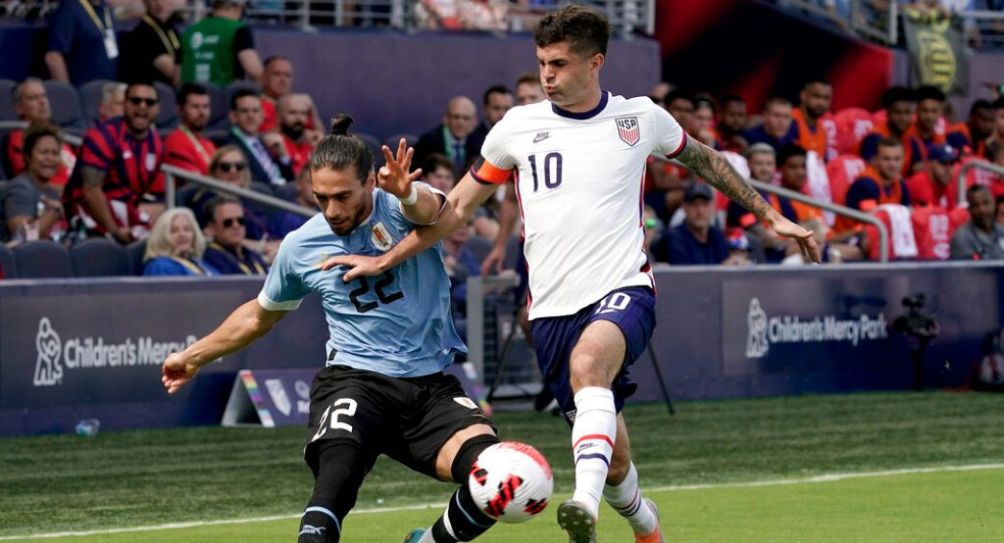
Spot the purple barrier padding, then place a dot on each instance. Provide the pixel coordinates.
(730, 333)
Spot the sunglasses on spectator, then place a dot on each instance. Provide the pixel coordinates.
(230, 221)
(148, 102)
(226, 167)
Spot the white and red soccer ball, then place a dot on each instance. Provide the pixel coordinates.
(511, 482)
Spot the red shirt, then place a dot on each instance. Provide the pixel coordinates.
(299, 153)
(933, 228)
(15, 157)
(187, 151)
(842, 171)
(269, 111)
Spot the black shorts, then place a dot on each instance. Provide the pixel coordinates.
(408, 419)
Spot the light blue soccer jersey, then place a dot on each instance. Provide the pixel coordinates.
(399, 323)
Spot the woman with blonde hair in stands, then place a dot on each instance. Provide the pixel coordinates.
(176, 246)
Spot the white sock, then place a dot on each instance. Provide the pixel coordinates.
(626, 499)
(593, 435)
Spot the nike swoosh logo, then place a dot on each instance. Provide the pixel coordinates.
(540, 137)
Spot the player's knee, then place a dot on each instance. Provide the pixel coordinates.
(588, 370)
(468, 453)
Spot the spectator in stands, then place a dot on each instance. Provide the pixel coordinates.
(117, 181)
(31, 103)
(680, 105)
(703, 121)
(112, 103)
(498, 100)
(739, 248)
(29, 203)
(152, 51)
(276, 82)
(186, 147)
(794, 174)
(778, 128)
(437, 171)
(293, 144)
(882, 182)
(899, 104)
(934, 184)
(930, 111)
(82, 44)
(460, 263)
(731, 124)
(220, 48)
(1000, 210)
(451, 138)
(528, 89)
(971, 137)
(765, 245)
(697, 240)
(811, 114)
(227, 233)
(998, 135)
(176, 246)
(245, 115)
(982, 238)
(659, 91)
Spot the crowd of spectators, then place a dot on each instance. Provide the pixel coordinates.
(899, 163)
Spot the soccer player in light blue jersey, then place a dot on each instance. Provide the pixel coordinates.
(383, 390)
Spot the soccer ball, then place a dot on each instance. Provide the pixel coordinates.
(511, 482)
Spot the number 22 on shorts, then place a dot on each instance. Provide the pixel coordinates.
(348, 409)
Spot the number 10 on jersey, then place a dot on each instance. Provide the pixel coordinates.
(551, 165)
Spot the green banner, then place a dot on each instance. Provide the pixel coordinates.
(937, 49)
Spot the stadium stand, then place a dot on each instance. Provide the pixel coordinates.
(100, 257)
(42, 259)
(167, 116)
(7, 112)
(90, 99)
(65, 102)
(8, 262)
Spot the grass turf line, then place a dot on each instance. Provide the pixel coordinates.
(60, 483)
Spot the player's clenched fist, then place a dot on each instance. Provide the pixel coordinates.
(177, 371)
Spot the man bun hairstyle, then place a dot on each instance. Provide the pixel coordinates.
(586, 30)
(339, 150)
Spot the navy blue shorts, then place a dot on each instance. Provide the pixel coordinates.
(632, 309)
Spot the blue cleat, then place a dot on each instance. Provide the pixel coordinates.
(415, 536)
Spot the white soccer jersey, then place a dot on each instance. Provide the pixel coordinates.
(579, 183)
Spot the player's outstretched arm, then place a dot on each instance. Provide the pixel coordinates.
(460, 205)
(246, 324)
(420, 206)
(711, 166)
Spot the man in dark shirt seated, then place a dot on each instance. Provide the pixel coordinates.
(696, 241)
(227, 252)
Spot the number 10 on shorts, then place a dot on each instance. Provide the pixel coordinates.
(617, 301)
(341, 407)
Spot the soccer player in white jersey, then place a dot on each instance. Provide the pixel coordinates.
(383, 390)
(580, 161)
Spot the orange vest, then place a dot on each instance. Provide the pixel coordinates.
(810, 139)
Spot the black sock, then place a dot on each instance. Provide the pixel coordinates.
(318, 525)
(462, 521)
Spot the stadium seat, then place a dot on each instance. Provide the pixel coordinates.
(394, 140)
(512, 253)
(8, 262)
(219, 106)
(288, 192)
(90, 98)
(167, 116)
(136, 251)
(100, 257)
(238, 86)
(42, 259)
(374, 145)
(65, 102)
(183, 197)
(6, 100)
(479, 246)
(5, 166)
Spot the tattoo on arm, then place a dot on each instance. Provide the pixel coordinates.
(93, 177)
(713, 168)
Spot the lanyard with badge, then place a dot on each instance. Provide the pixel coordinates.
(199, 148)
(106, 28)
(169, 39)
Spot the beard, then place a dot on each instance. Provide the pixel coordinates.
(294, 132)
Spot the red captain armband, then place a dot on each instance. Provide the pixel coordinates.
(486, 173)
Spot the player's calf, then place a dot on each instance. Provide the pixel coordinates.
(626, 498)
(340, 468)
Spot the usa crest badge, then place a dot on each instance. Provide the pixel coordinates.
(627, 129)
(381, 238)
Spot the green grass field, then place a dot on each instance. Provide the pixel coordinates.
(721, 471)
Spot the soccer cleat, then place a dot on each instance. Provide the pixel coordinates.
(656, 536)
(574, 518)
(415, 536)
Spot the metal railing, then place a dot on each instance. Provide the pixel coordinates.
(72, 139)
(866, 18)
(845, 211)
(974, 165)
(986, 26)
(172, 173)
(626, 16)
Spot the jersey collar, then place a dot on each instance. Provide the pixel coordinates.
(604, 97)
